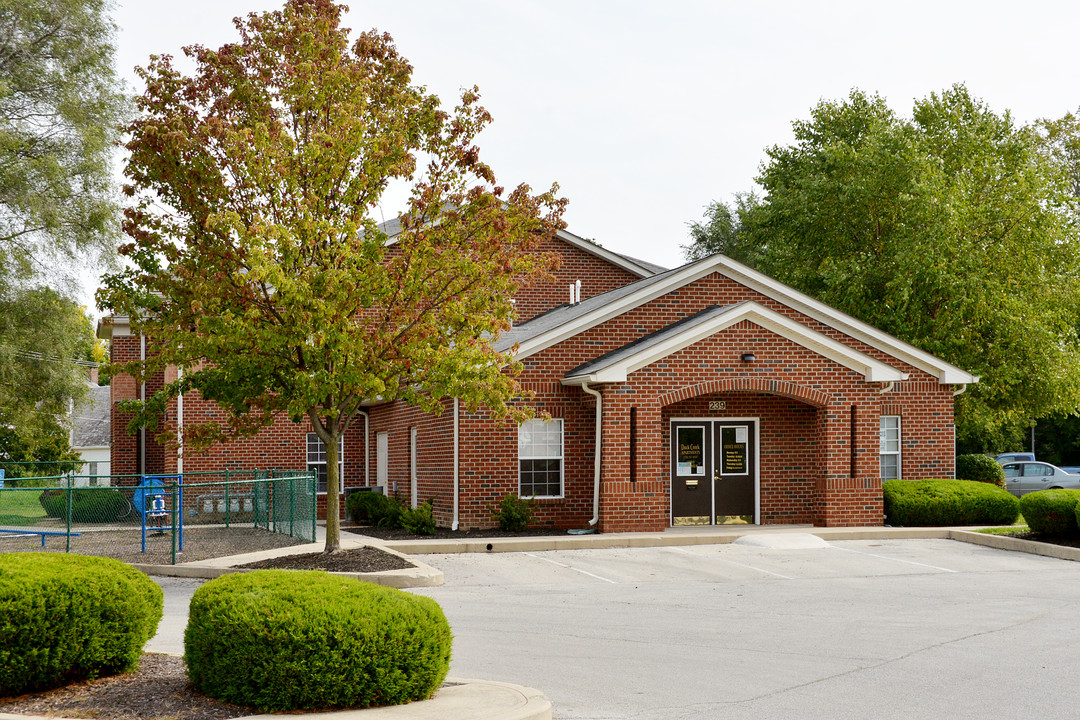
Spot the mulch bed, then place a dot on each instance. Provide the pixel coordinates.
(358, 560)
(157, 690)
(1049, 539)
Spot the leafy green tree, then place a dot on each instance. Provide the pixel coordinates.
(721, 232)
(953, 230)
(257, 265)
(60, 111)
(47, 346)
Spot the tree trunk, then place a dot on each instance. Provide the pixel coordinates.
(333, 489)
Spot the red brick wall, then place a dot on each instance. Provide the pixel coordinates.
(596, 276)
(806, 467)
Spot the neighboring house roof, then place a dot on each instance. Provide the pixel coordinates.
(614, 366)
(91, 422)
(567, 321)
(632, 265)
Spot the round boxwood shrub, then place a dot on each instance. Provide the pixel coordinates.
(1052, 512)
(980, 468)
(65, 618)
(292, 640)
(947, 502)
(87, 504)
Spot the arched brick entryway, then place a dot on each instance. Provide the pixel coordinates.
(817, 398)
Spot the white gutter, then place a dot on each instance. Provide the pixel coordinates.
(596, 452)
(457, 468)
(180, 426)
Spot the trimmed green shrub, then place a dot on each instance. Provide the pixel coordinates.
(65, 618)
(87, 504)
(1052, 512)
(514, 513)
(291, 640)
(374, 508)
(418, 520)
(947, 502)
(980, 468)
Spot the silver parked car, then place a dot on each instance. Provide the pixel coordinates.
(1024, 477)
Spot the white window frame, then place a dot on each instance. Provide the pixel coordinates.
(318, 458)
(382, 459)
(412, 464)
(883, 449)
(526, 457)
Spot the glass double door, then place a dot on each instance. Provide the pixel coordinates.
(713, 471)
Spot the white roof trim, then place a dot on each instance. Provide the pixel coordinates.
(614, 258)
(582, 244)
(946, 373)
(872, 370)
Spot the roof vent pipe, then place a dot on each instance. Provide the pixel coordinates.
(577, 291)
(571, 293)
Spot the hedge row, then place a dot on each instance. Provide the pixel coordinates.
(1053, 512)
(980, 468)
(289, 640)
(65, 618)
(921, 503)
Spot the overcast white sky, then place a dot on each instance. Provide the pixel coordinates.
(644, 112)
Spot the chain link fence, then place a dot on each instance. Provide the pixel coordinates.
(160, 519)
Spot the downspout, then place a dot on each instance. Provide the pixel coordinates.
(960, 391)
(596, 453)
(887, 387)
(142, 397)
(367, 465)
(457, 467)
(180, 426)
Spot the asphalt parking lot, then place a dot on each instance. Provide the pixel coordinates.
(851, 629)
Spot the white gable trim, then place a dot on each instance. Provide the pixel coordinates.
(946, 373)
(872, 370)
(614, 258)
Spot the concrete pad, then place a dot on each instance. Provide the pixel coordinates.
(782, 541)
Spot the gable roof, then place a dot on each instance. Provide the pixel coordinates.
(642, 269)
(566, 321)
(617, 364)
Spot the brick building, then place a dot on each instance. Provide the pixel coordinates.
(705, 394)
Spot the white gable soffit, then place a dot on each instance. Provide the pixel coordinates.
(614, 258)
(683, 276)
(872, 370)
(946, 373)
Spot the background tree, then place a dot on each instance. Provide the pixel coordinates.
(257, 265)
(721, 232)
(60, 111)
(953, 230)
(48, 348)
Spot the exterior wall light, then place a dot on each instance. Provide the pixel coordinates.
(748, 357)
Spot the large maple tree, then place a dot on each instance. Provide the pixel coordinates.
(257, 264)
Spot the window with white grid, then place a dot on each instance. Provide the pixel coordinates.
(540, 458)
(316, 460)
(890, 447)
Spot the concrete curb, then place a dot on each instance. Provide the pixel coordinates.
(458, 699)
(421, 575)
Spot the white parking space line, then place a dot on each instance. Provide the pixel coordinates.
(732, 562)
(570, 567)
(899, 560)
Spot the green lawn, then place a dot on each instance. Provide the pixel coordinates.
(20, 507)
